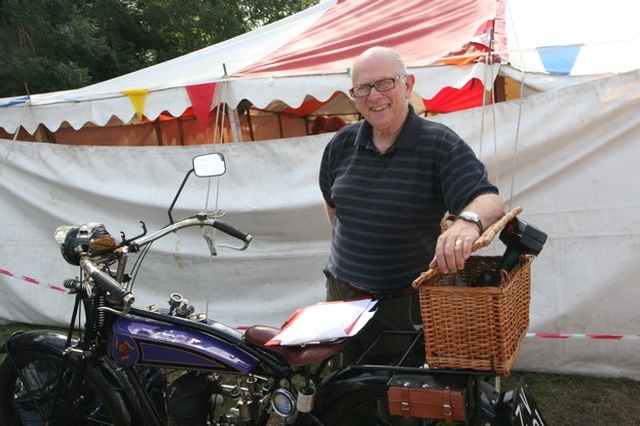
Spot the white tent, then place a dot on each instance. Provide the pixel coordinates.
(298, 68)
(568, 156)
(552, 44)
(303, 57)
(307, 56)
(572, 38)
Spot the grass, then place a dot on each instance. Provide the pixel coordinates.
(564, 400)
(570, 400)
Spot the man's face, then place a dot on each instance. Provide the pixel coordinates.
(383, 109)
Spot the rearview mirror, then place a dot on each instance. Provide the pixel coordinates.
(209, 165)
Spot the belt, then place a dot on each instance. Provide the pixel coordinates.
(380, 295)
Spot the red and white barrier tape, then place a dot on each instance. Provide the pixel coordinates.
(32, 280)
(530, 335)
(585, 336)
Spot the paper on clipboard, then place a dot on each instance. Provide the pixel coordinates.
(325, 321)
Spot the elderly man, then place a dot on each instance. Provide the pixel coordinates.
(387, 181)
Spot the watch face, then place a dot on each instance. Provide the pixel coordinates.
(470, 216)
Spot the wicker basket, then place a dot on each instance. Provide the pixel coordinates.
(476, 328)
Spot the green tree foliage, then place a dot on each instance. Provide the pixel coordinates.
(49, 45)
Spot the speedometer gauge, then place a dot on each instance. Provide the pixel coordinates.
(283, 402)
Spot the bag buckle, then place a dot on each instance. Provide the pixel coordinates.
(448, 410)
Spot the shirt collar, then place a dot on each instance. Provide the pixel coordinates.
(406, 139)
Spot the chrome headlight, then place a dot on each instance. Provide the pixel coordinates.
(91, 238)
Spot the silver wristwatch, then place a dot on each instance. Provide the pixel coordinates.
(472, 217)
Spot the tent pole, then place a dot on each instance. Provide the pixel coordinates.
(250, 124)
(236, 131)
(158, 129)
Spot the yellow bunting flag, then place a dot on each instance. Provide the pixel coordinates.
(137, 98)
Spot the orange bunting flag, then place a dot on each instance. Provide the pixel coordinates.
(201, 97)
(137, 98)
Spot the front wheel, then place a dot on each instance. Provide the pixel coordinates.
(35, 390)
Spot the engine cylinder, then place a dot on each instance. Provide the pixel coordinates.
(188, 400)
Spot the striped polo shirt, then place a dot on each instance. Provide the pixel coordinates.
(389, 206)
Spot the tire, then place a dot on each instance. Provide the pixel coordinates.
(40, 397)
(368, 406)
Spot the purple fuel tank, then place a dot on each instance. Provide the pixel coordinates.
(141, 341)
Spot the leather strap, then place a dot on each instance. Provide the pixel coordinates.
(405, 404)
(447, 409)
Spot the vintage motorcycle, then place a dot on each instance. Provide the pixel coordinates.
(128, 365)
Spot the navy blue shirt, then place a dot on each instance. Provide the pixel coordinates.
(389, 206)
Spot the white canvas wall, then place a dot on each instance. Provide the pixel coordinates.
(568, 157)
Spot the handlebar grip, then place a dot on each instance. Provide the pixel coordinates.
(228, 229)
(108, 283)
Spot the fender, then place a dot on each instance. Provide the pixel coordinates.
(47, 340)
(335, 387)
(53, 342)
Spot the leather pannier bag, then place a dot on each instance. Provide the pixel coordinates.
(412, 396)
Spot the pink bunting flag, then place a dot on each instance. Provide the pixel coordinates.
(201, 97)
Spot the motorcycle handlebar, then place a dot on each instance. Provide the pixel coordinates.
(199, 220)
(125, 297)
(107, 283)
(230, 230)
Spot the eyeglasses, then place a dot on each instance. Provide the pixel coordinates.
(380, 85)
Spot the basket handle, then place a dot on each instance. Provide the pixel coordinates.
(482, 241)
